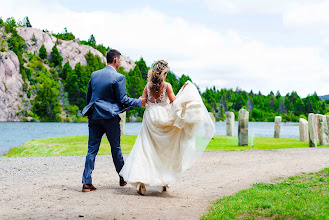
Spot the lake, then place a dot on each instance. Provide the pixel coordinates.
(13, 134)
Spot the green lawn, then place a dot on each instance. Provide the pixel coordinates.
(299, 197)
(77, 145)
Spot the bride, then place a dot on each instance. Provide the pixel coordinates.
(175, 131)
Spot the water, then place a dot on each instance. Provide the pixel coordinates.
(13, 134)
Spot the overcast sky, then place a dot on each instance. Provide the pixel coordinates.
(263, 45)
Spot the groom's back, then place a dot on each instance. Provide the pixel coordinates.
(102, 82)
(103, 97)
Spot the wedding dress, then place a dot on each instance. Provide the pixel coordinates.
(171, 139)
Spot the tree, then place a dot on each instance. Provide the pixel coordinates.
(1, 22)
(142, 67)
(92, 41)
(46, 104)
(43, 52)
(10, 26)
(136, 83)
(72, 85)
(56, 57)
(26, 22)
(67, 70)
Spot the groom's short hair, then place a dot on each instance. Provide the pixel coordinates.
(111, 54)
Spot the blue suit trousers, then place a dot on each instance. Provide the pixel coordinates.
(97, 128)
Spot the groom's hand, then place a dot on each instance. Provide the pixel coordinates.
(143, 100)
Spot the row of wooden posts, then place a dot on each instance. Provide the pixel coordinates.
(316, 128)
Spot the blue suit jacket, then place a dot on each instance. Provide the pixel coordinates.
(106, 95)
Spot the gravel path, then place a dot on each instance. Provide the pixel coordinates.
(50, 187)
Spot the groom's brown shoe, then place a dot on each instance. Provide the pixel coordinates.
(88, 188)
(122, 181)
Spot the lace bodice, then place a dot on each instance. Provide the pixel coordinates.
(161, 99)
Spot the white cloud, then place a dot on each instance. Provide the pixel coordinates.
(308, 14)
(221, 58)
(252, 6)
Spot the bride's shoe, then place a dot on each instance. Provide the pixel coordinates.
(141, 188)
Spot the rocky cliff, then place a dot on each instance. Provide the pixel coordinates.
(71, 50)
(12, 97)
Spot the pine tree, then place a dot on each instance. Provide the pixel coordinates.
(142, 67)
(43, 52)
(136, 83)
(92, 41)
(27, 22)
(56, 57)
(67, 70)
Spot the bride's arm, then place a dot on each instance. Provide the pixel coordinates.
(145, 92)
(170, 93)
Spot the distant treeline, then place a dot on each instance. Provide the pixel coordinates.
(59, 91)
(263, 107)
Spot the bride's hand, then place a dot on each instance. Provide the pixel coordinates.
(185, 84)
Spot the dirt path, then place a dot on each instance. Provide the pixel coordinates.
(50, 188)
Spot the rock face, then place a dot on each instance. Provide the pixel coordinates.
(122, 122)
(243, 127)
(11, 92)
(71, 50)
(12, 97)
(229, 123)
(303, 130)
(277, 126)
(212, 117)
(323, 131)
(312, 130)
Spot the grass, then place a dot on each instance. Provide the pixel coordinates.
(226, 143)
(300, 197)
(77, 145)
(66, 146)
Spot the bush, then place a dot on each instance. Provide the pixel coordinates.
(65, 35)
(74, 110)
(92, 42)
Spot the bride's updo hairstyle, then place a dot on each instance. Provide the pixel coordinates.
(156, 75)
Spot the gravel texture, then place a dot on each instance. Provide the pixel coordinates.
(50, 187)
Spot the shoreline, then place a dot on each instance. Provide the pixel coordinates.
(15, 134)
(78, 145)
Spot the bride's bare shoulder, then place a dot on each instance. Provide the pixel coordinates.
(168, 85)
(169, 88)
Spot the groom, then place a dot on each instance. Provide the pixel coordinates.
(106, 98)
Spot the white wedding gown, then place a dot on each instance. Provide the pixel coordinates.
(171, 139)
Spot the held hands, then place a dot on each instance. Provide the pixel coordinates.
(143, 100)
